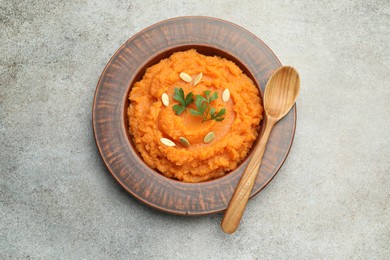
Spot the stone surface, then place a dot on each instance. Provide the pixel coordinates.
(331, 199)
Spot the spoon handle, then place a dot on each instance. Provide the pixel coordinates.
(237, 204)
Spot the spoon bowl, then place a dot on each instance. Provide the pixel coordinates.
(280, 94)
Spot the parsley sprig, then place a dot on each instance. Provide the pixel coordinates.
(202, 103)
(204, 109)
(183, 100)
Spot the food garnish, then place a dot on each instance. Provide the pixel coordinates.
(184, 76)
(167, 142)
(165, 99)
(226, 95)
(209, 137)
(182, 99)
(204, 109)
(198, 78)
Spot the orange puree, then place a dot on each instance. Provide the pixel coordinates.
(150, 120)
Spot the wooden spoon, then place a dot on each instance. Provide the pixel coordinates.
(280, 94)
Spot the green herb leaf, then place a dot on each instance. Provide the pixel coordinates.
(178, 109)
(195, 112)
(218, 117)
(184, 101)
(204, 109)
(214, 96)
(198, 102)
(189, 99)
(204, 106)
(207, 94)
(212, 112)
(221, 112)
(179, 96)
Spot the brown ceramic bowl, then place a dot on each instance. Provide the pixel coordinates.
(208, 36)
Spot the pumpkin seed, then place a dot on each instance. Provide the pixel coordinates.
(225, 95)
(184, 76)
(184, 141)
(198, 78)
(165, 99)
(209, 137)
(167, 142)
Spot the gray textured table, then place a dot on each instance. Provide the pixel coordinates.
(331, 199)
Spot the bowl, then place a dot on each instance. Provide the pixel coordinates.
(209, 36)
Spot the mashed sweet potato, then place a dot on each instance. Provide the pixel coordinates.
(150, 120)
